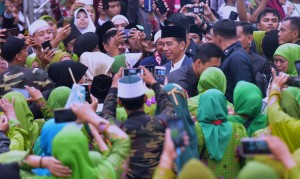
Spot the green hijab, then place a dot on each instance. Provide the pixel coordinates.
(59, 55)
(58, 97)
(194, 169)
(120, 61)
(247, 99)
(257, 170)
(29, 61)
(296, 93)
(212, 107)
(289, 104)
(75, 154)
(24, 115)
(47, 18)
(211, 78)
(258, 37)
(178, 98)
(291, 52)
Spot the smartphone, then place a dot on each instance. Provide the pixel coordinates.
(47, 44)
(161, 6)
(177, 131)
(126, 32)
(90, 2)
(64, 115)
(87, 92)
(132, 71)
(254, 146)
(191, 19)
(147, 31)
(233, 15)
(293, 81)
(160, 74)
(67, 20)
(297, 64)
(11, 32)
(150, 68)
(148, 5)
(24, 92)
(105, 4)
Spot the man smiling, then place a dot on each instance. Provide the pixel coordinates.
(174, 40)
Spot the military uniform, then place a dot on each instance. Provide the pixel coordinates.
(146, 133)
(17, 76)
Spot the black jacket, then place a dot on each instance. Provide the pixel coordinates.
(237, 66)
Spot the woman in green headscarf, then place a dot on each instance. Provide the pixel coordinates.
(211, 78)
(285, 57)
(282, 124)
(26, 119)
(247, 99)
(258, 37)
(58, 97)
(217, 137)
(75, 154)
(179, 100)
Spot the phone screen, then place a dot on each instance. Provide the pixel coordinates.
(46, 44)
(177, 131)
(160, 75)
(297, 64)
(21, 90)
(255, 147)
(126, 32)
(64, 115)
(132, 71)
(233, 15)
(147, 31)
(148, 5)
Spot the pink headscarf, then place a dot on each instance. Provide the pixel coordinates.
(274, 4)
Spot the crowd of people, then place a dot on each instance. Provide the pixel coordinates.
(150, 89)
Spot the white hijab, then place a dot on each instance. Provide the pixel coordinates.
(90, 28)
(98, 63)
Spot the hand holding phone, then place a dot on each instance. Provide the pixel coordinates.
(177, 131)
(147, 31)
(47, 44)
(132, 71)
(254, 146)
(160, 74)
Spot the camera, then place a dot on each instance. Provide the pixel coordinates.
(196, 10)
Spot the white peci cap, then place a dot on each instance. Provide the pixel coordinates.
(131, 87)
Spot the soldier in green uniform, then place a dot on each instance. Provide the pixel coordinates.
(14, 51)
(146, 132)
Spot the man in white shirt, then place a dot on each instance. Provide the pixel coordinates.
(174, 40)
